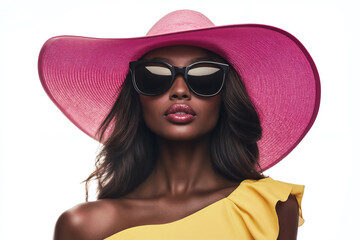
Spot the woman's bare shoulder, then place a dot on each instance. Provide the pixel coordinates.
(90, 220)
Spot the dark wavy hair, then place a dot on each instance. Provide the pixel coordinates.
(128, 154)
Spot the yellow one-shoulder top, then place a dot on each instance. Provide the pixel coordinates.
(247, 213)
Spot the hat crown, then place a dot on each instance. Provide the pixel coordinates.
(180, 20)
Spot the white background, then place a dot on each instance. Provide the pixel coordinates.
(43, 157)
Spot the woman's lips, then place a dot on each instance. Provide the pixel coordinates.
(180, 118)
(180, 113)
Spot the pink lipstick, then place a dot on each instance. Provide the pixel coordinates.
(180, 113)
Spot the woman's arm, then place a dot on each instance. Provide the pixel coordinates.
(87, 221)
(75, 224)
(288, 215)
(68, 226)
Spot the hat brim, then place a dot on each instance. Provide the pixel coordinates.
(82, 76)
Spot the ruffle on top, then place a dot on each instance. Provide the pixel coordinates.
(255, 203)
(249, 212)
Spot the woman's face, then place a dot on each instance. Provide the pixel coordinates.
(179, 114)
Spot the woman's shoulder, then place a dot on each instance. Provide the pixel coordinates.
(273, 205)
(89, 220)
(267, 189)
(269, 192)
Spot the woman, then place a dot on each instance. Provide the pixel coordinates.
(180, 158)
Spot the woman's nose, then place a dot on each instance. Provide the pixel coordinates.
(179, 89)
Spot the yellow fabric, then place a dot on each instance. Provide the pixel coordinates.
(247, 213)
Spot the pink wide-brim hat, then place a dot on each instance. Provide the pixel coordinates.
(82, 76)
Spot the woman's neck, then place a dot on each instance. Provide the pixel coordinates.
(182, 167)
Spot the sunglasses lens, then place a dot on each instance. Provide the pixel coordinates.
(206, 78)
(152, 78)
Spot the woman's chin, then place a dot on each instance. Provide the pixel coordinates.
(183, 136)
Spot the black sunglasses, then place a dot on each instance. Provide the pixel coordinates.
(205, 78)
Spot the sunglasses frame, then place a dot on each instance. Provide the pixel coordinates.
(178, 70)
